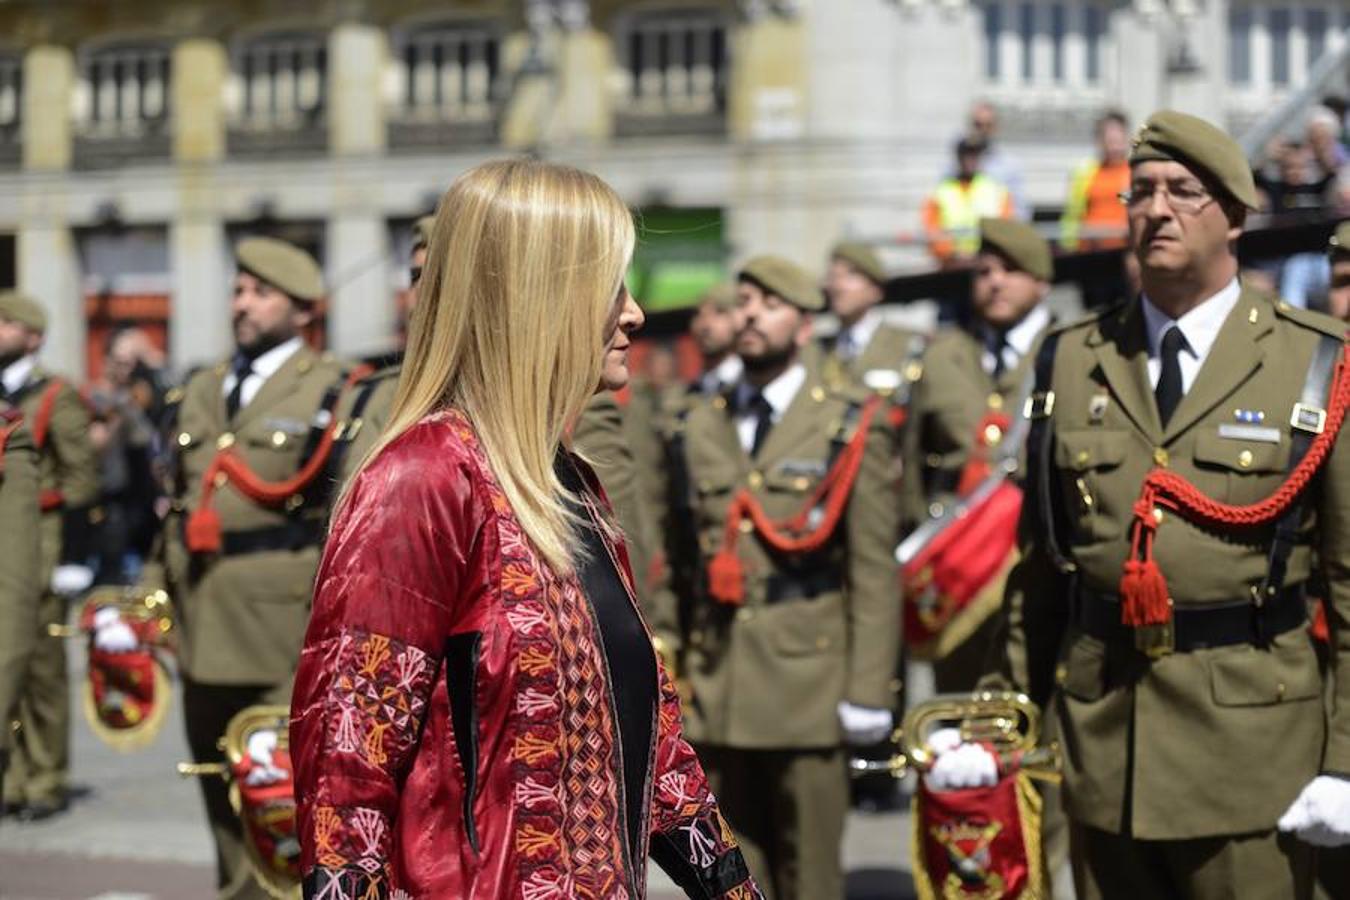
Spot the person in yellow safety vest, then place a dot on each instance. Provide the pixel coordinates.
(1094, 191)
(952, 213)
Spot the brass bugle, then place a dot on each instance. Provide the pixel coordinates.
(203, 770)
(62, 630)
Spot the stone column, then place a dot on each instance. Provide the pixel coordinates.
(200, 69)
(769, 80)
(1140, 59)
(202, 269)
(583, 111)
(49, 270)
(48, 84)
(361, 320)
(356, 58)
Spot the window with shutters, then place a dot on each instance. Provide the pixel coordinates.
(673, 69)
(121, 103)
(278, 93)
(448, 87)
(1273, 47)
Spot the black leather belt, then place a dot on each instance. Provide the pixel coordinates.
(295, 536)
(800, 585)
(1200, 627)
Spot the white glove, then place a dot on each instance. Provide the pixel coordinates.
(261, 746)
(69, 580)
(111, 634)
(864, 724)
(959, 765)
(1321, 814)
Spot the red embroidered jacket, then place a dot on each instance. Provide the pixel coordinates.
(452, 725)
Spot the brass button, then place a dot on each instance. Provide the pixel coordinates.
(719, 402)
(744, 615)
(935, 510)
(995, 401)
(1279, 690)
(1083, 457)
(278, 438)
(1245, 459)
(1157, 514)
(822, 642)
(801, 482)
(756, 480)
(747, 526)
(225, 441)
(294, 502)
(992, 434)
(1160, 456)
(818, 394)
(1061, 673)
(913, 371)
(184, 439)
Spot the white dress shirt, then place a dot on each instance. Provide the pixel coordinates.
(16, 373)
(1018, 341)
(779, 393)
(721, 376)
(264, 367)
(1200, 327)
(852, 341)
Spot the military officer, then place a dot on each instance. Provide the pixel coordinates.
(1199, 762)
(801, 617)
(714, 327)
(866, 350)
(973, 378)
(58, 423)
(241, 544)
(21, 583)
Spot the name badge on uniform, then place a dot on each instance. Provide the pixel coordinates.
(1249, 433)
(882, 380)
(293, 427)
(806, 467)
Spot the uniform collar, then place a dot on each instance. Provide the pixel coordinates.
(728, 371)
(267, 364)
(1022, 336)
(1200, 326)
(16, 374)
(779, 392)
(861, 332)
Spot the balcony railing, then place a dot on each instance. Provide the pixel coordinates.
(122, 106)
(673, 74)
(450, 87)
(279, 96)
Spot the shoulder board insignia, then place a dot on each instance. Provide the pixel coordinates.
(1319, 322)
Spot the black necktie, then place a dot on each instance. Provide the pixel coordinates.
(997, 342)
(243, 367)
(763, 413)
(1168, 392)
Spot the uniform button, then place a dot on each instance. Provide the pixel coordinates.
(747, 526)
(818, 394)
(1160, 456)
(822, 642)
(1157, 514)
(1083, 457)
(278, 438)
(1061, 674)
(719, 402)
(225, 441)
(995, 401)
(756, 480)
(184, 439)
(744, 615)
(801, 482)
(1245, 459)
(1279, 690)
(935, 510)
(294, 502)
(992, 435)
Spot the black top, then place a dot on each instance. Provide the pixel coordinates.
(628, 653)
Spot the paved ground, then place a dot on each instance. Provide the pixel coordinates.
(135, 831)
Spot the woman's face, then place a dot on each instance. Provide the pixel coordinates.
(624, 318)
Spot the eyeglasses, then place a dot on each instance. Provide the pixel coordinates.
(1182, 199)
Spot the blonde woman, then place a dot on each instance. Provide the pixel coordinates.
(478, 711)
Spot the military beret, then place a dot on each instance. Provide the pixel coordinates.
(1340, 241)
(721, 295)
(422, 231)
(786, 279)
(284, 266)
(1021, 244)
(862, 258)
(21, 308)
(1193, 142)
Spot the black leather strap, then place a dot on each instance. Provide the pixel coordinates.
(802, 585)
(295, 535)
(1041, 445)
(1199, 627)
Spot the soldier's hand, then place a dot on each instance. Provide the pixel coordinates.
(959, 765)
(864, 725)
(1321, 814)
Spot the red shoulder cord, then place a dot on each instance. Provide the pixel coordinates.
(12, 419)
(1144, 596)
(726, 573)
(50, 498)
(203, 533)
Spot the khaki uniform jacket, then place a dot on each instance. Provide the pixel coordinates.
(21, 583)
(69, 463)
(360, 431)
(1213, 741)
(879, 367)
(770, 675)
(242, 617)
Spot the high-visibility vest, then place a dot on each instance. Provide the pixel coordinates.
(957, 206)
(1094, 202)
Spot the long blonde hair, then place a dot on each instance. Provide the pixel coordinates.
(525, 262)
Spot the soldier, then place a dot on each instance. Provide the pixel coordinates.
(1189, 693)
(866, 350)
(973, 378)
(58, 423)
(790, 639)
(1338, 297)
(20, 563)
(714, 328)
(241, 543)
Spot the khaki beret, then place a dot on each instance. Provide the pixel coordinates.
(1340, 241)
(284, 266)
(862, 258)
(1193, 142)
(21, 308)
(786, 279)
(721, 295)
(1021, 244)
(422, 231)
